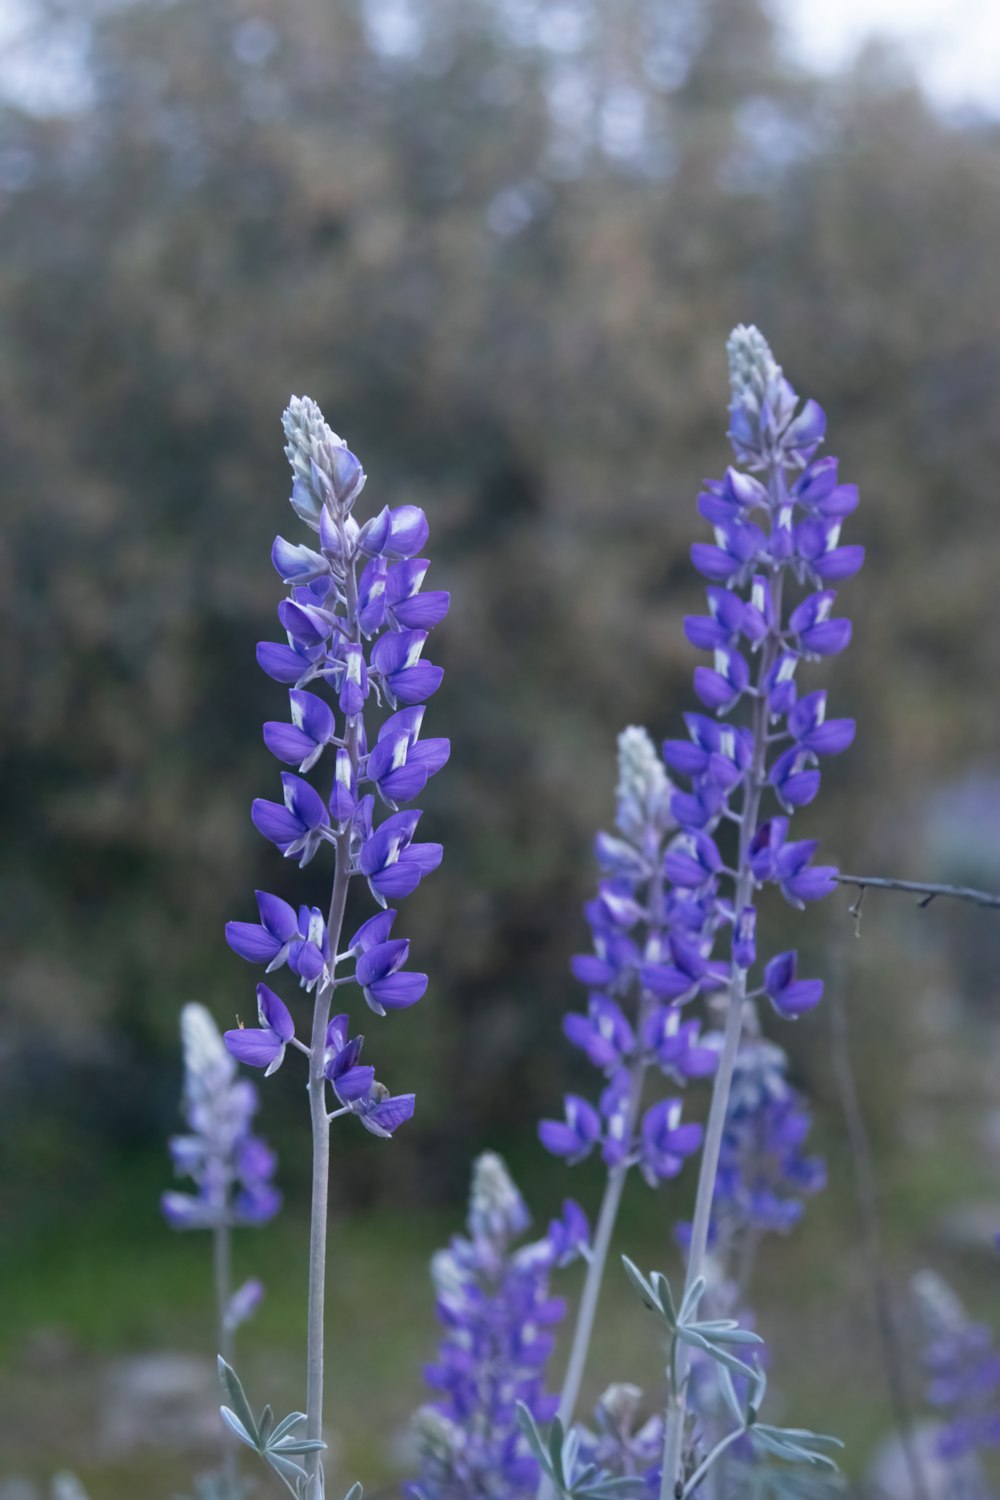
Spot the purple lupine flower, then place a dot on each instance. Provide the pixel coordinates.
(962, 1368)
(651, 955)
(763, 1175)
(494, 1303)
(263, 1046)
(356, 621)
(666, 1142)
(231, 1167)
(625, 1442)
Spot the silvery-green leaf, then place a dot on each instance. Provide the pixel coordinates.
(789, 1443)
(692, 1298)
(238, 1401)
(720, 1355)
(534, 1438)
(288, 1424)
(296, 1445)
(356, 1492)
(234, 1424)
(265, 1422)
(730, 1397)
(556, 1453)
(725, 1331)
(568, 1453)
(665, 1298)
(642, 1286)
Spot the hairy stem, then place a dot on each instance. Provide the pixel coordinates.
(671, 1487)
(318, 1111)
(598, 1260)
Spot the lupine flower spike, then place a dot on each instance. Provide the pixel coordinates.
(755, 758)
(494, 1303)
(356, 622)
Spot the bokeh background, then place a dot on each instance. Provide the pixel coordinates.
(502, 243)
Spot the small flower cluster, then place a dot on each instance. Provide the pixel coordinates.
(361, 584)
(763, 1173)
(649, 949)
(963, 1371)
(624, 1443)
(494, 1303)
(232, 1168)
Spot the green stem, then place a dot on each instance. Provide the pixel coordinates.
(316, 1329)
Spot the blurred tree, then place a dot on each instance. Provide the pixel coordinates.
(501, 242)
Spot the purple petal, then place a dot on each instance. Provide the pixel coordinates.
(372, 932)
(353, 1083)
(275, 822)
(798, 998)
(287, 743)
(408, 531)
(422, 611)
(376, 962)
(398, 991)
(390, 1113)
(281, 662)
(414, 684)
(257, 1048)
(275, 1013)
(250, 941)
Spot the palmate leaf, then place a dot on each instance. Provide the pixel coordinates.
(238, 1415)
(657, 1298)
(557, 1458)
(792, 1444)
(275, 1442)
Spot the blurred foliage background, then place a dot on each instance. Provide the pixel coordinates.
(501, 242)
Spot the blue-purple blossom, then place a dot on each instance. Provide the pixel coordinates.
(263, 1046)
(651, 955)
(962, 1372)
(764, 1174)
(494, 1304)
(232, 1168)
(625, 1441)
(356, 622)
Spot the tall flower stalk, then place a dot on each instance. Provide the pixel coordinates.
(647, 955)
(360, 584)
(771, 532)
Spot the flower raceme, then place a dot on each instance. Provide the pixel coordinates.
(663, 902)
(356, 623)
(494, 1303)
(231, 1167)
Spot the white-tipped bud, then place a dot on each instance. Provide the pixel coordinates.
(621, 1402)
(643, 785)
(309, 437)
(496, 1208)
(207, 1064)
(752, 366)
(327, 474)
(436, 1436)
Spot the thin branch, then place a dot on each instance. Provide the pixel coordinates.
(871, 1233)
(925, 889)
